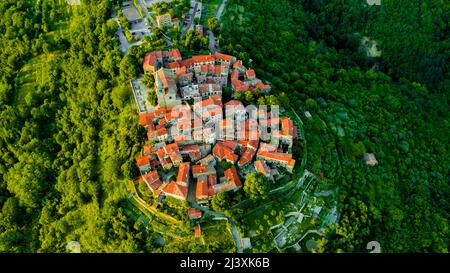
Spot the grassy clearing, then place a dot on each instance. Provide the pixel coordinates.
(34, 73)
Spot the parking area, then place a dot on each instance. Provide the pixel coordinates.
(130, 12)
(140, 28)
(195, 11)
(140, 95)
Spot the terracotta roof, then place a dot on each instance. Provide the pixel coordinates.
(209, 159)
(183, 173)
(174, 53)
(150, 177)
(175, 190)
(239, 85)
(262, 86)
(161, 131)
(234, 103)
(145, 119)
(202, 58)
(170, 148)
(287, 127)
(181, 71)
(230, 144)
(202, 190)
(198, 231)
(147, 150)
(166, 78)
(226, 123)
(232, 176)
(197, 123)
(194, 213)
(262, 167)
(270, 121)
(224, 57)
(198, 170)
(247, 156)
(234, 75)
(223, 152)
(174, 65)
(152, 180)
(282, 157)
(187, 62)
(142, 161)
(237, 64)
(250, 73)
(190, 148)
(151, 58)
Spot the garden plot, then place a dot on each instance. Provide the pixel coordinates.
(312, 209)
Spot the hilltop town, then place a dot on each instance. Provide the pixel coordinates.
(211, 143)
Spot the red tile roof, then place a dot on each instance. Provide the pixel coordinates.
(142, 161)
(202, 58)
(152, 180)
(250, 73)
(247, 156)
(234, 103)
(223, 152)
(287, 127)
(232, 176)
(175, 190)
(266, 147)
(261, 167)
(198, 231)
(174, 64)
(150, 177)
(225, 57)
(183, 173)
(263, 86)
(194, 213)
(239, 85)
(174, 53)
(230, 144)
(145, 119)
(198, 170)
(281, 157)
(237, 64)
(201, 191)
(187, 62)
(152, 58)
(172, 148)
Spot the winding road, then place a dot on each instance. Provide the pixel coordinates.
(219, 216)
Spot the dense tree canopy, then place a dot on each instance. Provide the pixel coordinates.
(311, 51)
(256, 186)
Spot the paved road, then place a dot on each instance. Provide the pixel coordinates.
(220, 9)
(193, 6)
(213, 45)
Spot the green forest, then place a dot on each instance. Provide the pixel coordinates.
(69, 127)
(395, 106)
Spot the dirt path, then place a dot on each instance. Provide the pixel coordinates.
(234, 231)
(149, 208)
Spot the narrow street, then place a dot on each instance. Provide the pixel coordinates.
(213, 45)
